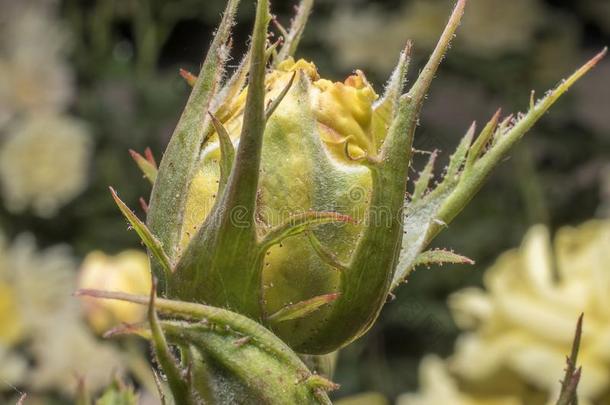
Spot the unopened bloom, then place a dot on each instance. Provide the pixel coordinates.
(127, 272)
(524, 321)
(288, 202)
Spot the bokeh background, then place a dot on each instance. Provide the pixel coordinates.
(83, 81)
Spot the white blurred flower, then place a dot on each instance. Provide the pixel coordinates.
(524, 322)
(34, 74)
(44, 322)
(69, 353)
(438, 387)
(371, 38)
(593, 101)
(494, 27)
(44, 163)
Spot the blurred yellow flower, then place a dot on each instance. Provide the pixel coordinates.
(524, 323)
(127, 272)
(437, 387)
(44, 163)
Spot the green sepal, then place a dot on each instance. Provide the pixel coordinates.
(223, 253)
(293, 36)
(276, 102)
(364, 288)
(299, 223)
(152, 243)
(387, 105)
(303, 308)
(227, 152)
(168, 198)
(440, 257)
(176, 380)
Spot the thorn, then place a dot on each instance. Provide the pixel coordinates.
(188, 77)
(144, 205)
(597, 58)
(532, 99)
(135, 155)
(149, 156)
(242, 341)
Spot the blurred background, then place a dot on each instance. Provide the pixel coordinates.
(83, 81)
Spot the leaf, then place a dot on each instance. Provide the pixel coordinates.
(242, 185)
(151, 242)
(239, 351)
(303, 308)
(419, 218)
(427, 217)
(148, 169)
(440, 256)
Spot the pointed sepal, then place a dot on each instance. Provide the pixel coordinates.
(152, 243)
(428, 216)
(169, 194)
(303, 308)
(293, 36)
(299, 223)
(440, 257)
(227, 152)
(175, 376)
